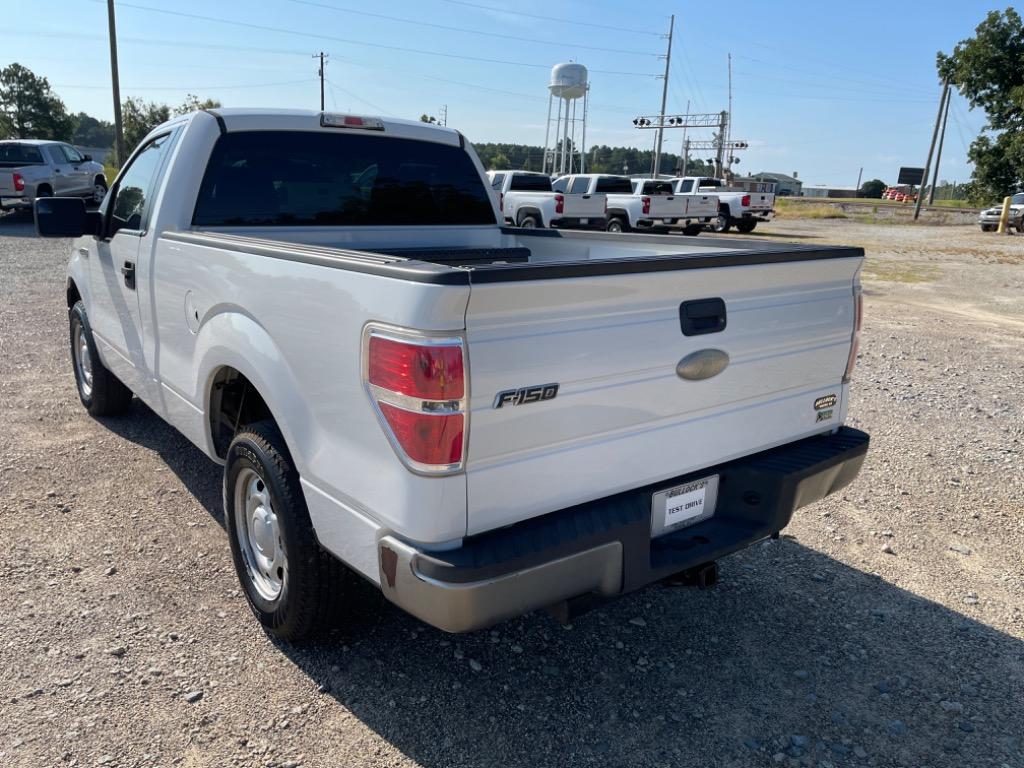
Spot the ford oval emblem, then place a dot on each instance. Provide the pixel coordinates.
(702, 364)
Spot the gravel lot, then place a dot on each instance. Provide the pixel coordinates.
(884, 629)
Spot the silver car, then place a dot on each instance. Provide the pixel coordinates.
(989, 218)
(31, 168)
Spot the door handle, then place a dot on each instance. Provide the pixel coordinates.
(128, 270)
(702, 316)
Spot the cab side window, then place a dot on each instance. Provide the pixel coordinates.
(579, 185)
(559, 185)
(136, 187)
(72, 154)
(685, 186)
(497, 180)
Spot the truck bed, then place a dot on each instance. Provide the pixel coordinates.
(528, 255)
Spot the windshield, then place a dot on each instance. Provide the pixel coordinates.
(657, 187)
(614, 185)
(13, 154)
(530, 182)
(1017, 199)
(711, 183)
(302, 178)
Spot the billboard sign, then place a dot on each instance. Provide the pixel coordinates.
(913, 176)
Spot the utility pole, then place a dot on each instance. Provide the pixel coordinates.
(931, 149)
(656, 165)
(720, 142)
(860, 175)
(323, 57)
(443, 112)
(942, 139)
(686, 156)
(118, 125)
(728, 135)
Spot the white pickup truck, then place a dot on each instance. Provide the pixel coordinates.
(736, 208)
(527, 199)
(644, 204)
(480, 420)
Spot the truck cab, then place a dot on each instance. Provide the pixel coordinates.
(528, 199)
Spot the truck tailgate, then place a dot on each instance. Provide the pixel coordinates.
(622, 417)
(667, 206)
(701, 205)
(7, 183)
(584, 206)
(761, 201)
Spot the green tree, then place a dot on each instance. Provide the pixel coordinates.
(90, 132)
(193, 103)
(425, 118)
(499, 161)
(139, 117)
(29, 109)
(873, 188)
(987, 70)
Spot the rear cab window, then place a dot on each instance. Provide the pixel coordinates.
(497, 180)
(530, 182)
(304, 178)
(13, 154)
(657, 187)
(614, 185)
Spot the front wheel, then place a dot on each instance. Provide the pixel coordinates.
(291, 584)
(988, 228)
(99, 191)
(746, 226)
(100, 391)
(616, 224)
(720, 223)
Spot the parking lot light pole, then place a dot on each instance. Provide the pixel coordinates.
(118, 126)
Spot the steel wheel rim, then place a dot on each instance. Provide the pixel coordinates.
(98, 193)
(721, 223)
(614, 227)
(528, 224)
(83, 362)
(259, 535)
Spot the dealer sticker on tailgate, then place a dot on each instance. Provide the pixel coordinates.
(683, 505)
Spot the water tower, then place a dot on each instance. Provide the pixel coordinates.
(565, 154)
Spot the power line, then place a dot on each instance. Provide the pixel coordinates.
(467, 30)
(190, 88)
(310, 35)
(879, 82)
(574, 22)
(349, 93)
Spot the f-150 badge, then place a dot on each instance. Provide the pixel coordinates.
(824, 406)
(525, 395)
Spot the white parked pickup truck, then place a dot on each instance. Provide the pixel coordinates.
(527, 199)
(480, 420)
(736, 207)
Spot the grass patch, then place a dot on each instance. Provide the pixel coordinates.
(110, 171)
(900, 272)
(785, 209)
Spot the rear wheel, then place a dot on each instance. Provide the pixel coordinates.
(529, 221)
(617, 224)
(988, 228)
(291, 584)
(100, 391)
(746, 226)
(720, 223)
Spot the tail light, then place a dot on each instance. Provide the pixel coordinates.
(745, 201)
(417, 385)
(645, 203)
(19, 183)
(559, 203)
(858, 321)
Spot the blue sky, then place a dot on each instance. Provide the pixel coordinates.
(819, 88)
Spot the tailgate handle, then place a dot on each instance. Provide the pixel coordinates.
(701, 316)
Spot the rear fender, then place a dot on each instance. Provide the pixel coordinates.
(233, 338)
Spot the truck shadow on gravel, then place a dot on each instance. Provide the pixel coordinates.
(794, 659)
(17, 224)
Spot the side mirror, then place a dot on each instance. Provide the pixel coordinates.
(87, 158)
(64, 217)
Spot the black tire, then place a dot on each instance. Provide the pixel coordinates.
(617, 224)
(311, 585)
(105, 395)
(530, 221)
(988, 228)
(97, 196)
(692, 230)
(746, 226)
